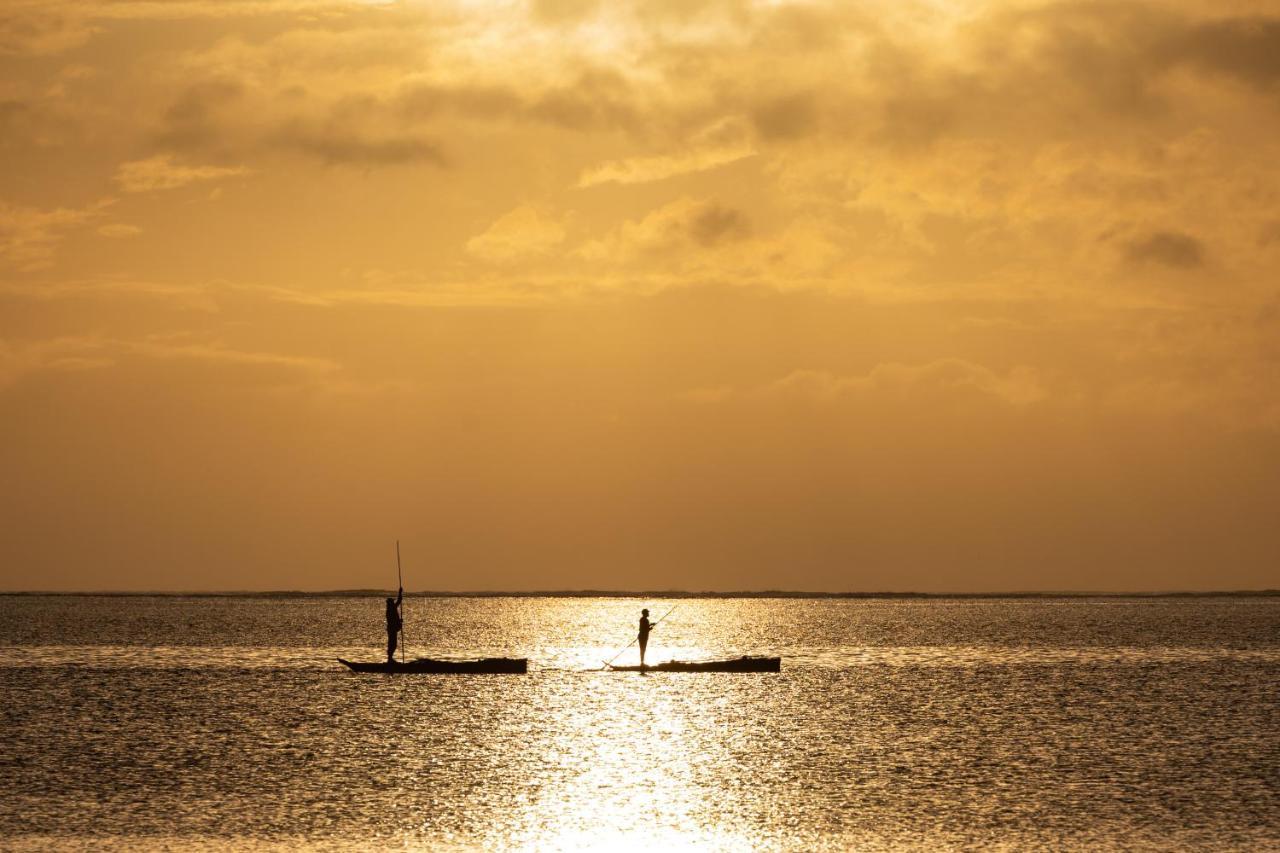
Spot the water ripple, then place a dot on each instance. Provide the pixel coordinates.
(985, 734)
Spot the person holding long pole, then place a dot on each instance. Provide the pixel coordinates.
(395, 624)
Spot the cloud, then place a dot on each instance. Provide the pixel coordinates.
(220, 116)
(714, 223)
(119, 230)
(193, 121)
(36, 28)
(50, 27)
(1013, 72)
(29, 236)
(521, 233)
(215, 352)
(1247, 49)
(639, 170)
(420, 101)
(787, 117)
(47, 27)
(724, 141)
(890, 394)
(683, 224)
(591, 100)
(952, 378)
(17, 361)
(397, 290)
(1167, 248)
(113, 289)
(339, 146)
(377, 94)
(595, 100)
(1024, 76)
(163, 172)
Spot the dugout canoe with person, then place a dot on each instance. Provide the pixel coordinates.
(742, 664)
(745, 663)
(419, 666)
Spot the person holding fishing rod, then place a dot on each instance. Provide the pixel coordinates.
(643, 636)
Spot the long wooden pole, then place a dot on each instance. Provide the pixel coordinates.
(400, 581)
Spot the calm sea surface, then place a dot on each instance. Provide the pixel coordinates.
(1016, 724)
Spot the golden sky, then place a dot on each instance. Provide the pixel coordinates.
(675, 294)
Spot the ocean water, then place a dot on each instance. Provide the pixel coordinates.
(204, 723)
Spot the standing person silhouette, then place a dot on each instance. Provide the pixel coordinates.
(645, 628)
(394, 623)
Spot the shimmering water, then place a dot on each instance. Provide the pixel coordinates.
(1067, 723)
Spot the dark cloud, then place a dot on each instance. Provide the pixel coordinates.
(36, 30)
(1115, 57)
(198, 102)
(909, 120)
(597, 100)
(1100, 55)
(1064, 68)
(1020, 75)
(1055, 69)
(787, 117)
(484, 102)
(356, 129)
(715, 224)
(193, 120)
(341, 146)
(1168, 248)
(1247, 49)
(1052, 69)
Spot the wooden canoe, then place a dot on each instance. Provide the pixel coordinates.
(510, 666)
(742, 664)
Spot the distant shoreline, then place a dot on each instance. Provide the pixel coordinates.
(652, 594)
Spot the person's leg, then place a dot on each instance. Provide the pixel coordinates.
(643, 643)
(391, 646)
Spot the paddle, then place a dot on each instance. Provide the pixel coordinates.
(610, 661)
(400, 582)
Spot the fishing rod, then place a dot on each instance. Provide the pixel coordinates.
(610, 661)
(400, 581)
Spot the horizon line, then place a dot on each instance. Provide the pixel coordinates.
(663, 593)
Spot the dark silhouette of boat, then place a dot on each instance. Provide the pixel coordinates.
(511, 666)
(742, 664)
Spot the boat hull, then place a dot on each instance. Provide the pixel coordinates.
(742, 664)
(428, 666)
